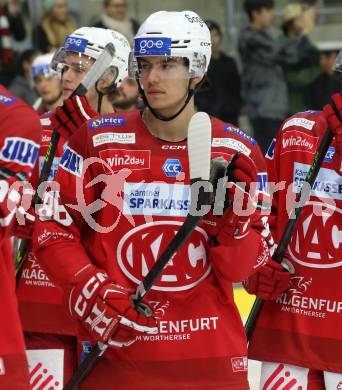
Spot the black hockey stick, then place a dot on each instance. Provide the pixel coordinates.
(96, 71)
(199, 148)
(301, 197)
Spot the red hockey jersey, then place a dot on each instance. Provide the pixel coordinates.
(40, 301)
(19, 137)
(303, 326)
(119, 210)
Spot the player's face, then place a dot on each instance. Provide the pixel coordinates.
(128, 94)
(76, 67)
(48, 87)
(165, 81)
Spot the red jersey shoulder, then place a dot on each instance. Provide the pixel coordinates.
(299, 133)
(20, 131)
(226, 135)
(9, 103)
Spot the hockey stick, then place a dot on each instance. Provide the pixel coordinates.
(96, 71)
(199, 149)
(301, 197)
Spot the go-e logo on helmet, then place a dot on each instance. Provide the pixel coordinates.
(152, 46)
(73, 43)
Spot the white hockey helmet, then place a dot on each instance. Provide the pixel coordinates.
(173, 34)
(90, 42)
(42, 65)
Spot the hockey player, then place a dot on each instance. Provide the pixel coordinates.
(46, 83)
(49, 331)
(19, 137)
(297, 333)
(120, 205)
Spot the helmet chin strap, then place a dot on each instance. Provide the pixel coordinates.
(163, 118)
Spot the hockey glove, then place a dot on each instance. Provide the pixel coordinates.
(72, 115)
(270, 281)
(106, 311)
(335, 124)
(240, 203)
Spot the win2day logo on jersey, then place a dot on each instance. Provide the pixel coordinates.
(116, 159)
(172, 167)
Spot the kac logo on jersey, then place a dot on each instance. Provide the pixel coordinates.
(317, 241)
(152, 46)
(19, 150)
(330, 154)
(172, 167)
(77, 44)
(241, 133)
(72, 162)
(106, 121)
(7, 100)
(140, 247)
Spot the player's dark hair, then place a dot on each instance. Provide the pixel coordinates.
(256, 5)
(25, 56)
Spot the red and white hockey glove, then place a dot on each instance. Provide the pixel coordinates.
(270, 281)
(69, 117)
(23, 228)
(106, 311)
(241, 202)
(335, 124)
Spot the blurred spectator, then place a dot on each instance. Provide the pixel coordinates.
(263, 57)
(11, 27)
(56, 24)
(127, 97)
(47, 83)
(329, 81)
(21, 85)
(222, 97)
(115, 17)
(297, 22)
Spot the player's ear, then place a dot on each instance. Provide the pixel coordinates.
(195, 81)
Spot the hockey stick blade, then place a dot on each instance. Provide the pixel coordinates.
(96, 71)
(292, 222)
